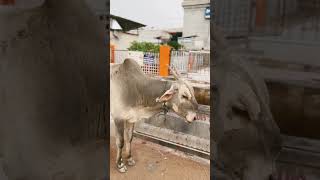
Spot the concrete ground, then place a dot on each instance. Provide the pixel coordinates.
(156, 162)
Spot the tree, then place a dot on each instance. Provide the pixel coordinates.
(175, 45)
(52, 88)
(144, 47)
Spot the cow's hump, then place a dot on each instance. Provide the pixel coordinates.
(131, 65)
(128, 69)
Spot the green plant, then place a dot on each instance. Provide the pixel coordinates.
(144, 47)
(175, 45)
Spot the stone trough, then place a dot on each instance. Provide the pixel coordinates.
(172, 130)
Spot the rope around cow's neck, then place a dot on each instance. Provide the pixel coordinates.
(164, 107)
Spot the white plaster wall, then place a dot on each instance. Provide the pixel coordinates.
(124, 40)
(194, 23)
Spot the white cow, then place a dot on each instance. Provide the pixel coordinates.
(135, 96)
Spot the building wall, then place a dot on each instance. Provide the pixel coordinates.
(148, 35)
(123, 41)
(194, 23)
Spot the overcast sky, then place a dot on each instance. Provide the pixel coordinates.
(153, 13)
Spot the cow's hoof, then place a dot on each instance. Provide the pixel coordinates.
(131, 162)
(122, 168)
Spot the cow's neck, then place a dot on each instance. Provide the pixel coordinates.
(152, 89)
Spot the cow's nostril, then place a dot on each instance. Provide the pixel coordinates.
(195, 118)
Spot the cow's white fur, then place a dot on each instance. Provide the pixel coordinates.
(135, 96)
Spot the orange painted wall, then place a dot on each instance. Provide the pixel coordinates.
(164, 60)
(112, 48)
(7, 2)
(261, 13)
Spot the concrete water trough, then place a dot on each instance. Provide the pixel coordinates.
(171, 130)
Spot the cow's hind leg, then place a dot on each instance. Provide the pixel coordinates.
(128, 139)
(120, 142)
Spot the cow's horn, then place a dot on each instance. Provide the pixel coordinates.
(175, 72)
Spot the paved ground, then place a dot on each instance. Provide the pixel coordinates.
(159, 163)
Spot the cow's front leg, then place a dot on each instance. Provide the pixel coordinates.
(120, 142)
(128, 139)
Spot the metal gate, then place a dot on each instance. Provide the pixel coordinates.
(297, 20)
(233, 16)
(180, 60)
(284, 19)
(191, 61)
(300, 20)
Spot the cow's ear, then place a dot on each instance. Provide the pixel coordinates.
(167, 95)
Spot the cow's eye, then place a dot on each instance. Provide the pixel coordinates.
(184, 96)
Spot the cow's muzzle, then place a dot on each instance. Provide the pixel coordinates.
(191, 116)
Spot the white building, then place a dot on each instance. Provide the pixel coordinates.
(196, 24)
(122, 40)
(155, 36)
(123, 32)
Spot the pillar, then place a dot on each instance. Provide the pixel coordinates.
(164, 60)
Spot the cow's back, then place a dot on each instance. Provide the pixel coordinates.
(129, 66)
(125, 79)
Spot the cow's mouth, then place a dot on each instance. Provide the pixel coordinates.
(191, 116)
(189, 122)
